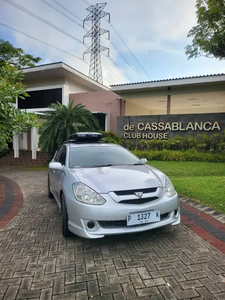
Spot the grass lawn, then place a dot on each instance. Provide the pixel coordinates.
(201, 181)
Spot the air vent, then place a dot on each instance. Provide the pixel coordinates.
(132, 192)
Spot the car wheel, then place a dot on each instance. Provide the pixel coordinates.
(65, 230)
(50, 195)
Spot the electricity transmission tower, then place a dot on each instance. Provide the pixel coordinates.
(96, 13)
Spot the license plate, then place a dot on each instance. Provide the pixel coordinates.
(143, 217)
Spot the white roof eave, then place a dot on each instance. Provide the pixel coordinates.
(169, 83)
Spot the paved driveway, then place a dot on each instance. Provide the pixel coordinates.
(36, 262)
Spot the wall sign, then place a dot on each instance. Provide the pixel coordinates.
(165, 126)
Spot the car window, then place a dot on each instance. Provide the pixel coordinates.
(101, 156)
(61, 155)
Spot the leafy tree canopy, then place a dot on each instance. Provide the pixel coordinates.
(209, 33)
(12, 119)
(15, 56)
(61, 122)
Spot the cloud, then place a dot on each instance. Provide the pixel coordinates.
(152, 30)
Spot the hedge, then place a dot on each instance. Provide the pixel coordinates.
(172, 155)
(206, 148)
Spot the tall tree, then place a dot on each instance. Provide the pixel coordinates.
(209, 33)
(12, 120)
(61, 122)
(15, 56)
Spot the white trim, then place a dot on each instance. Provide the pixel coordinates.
(107, 122)
(169, 83)
(67, 71)
(16, 145)
(36, 110)
(33, 142)
(47, 87)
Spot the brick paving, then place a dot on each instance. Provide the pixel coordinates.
(36, 262)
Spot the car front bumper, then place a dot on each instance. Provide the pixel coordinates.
(111, 217)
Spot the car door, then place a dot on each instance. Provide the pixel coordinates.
(55, 175)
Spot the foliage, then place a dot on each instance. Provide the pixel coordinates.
(171, 155)
(11, 118)
(209, 33)
(201, 181)
(206, 147)
(11, 87)
(205, 142)
(111, 137)
(16, 57)
(61, 122)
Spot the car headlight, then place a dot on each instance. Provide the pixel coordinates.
(169, 188)
(86, 195)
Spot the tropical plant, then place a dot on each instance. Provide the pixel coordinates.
(12, 119)
(209, 33)
(61, 122)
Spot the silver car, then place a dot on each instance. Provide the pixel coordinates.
(104, 189)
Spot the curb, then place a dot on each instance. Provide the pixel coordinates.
(206, 209)
(204, 221)
(11, 200)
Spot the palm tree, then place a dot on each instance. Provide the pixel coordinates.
(61, 122)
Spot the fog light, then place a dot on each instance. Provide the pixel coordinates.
(91, 224)
(175, 212)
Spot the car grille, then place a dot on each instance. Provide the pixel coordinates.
(123, 223)
(131, 192)
(131, 196)
(139, 201)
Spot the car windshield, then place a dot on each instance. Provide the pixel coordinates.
(101, 156)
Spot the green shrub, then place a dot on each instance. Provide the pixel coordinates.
(172, 155)
(111, 137)
(205, 142)
(205, 148)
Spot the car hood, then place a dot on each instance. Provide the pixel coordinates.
(117, 178)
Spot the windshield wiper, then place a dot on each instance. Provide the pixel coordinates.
(100, 166)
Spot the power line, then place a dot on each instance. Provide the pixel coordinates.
(115, 62)
(114, 73)
(53, 7)
(86, 2)
(126, 60)
(55, 1)
(66, 9)
(20, 7)
(27, 35)
(41, 41)
(129, 50)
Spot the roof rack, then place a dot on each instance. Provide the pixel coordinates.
(84, 137)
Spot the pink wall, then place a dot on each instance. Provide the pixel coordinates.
(106, 102)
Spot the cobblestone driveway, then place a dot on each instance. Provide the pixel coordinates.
(36, 262)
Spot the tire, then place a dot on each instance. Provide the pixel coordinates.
(50, 195)
(65, 231)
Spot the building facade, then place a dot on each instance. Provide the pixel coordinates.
(162, 109)
(145, 110)
(58, 82)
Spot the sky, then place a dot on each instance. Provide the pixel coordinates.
(147, 37)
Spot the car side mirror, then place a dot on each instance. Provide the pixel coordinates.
(56, 166)
(144, 160)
